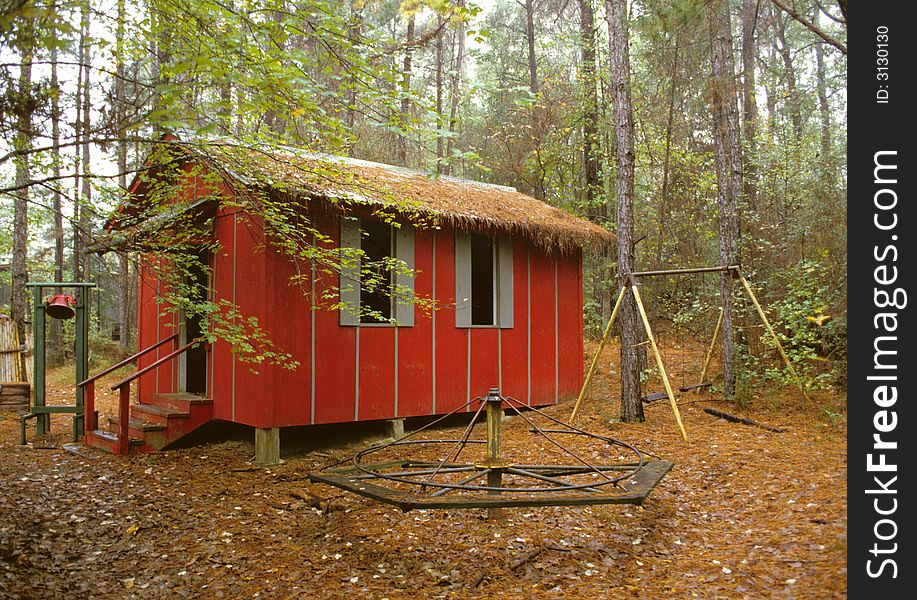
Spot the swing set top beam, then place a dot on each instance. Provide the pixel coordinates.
(734, 269)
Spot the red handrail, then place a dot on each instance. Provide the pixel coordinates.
(156, 364)
(127, 360)
(124, 396)
(89, 396)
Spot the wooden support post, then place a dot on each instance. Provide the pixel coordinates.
(716, 333)
(598, 353)
(42, 421)
(124, 418)
(770, 330)
(89, 421)
(494, 410)
(396, 428)
(267, 446)
(659, 364)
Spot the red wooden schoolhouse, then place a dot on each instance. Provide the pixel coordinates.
(502, 270)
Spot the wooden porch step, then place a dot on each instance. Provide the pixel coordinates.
(152, 413)
(179, 401)
(138, 424)
(108, 441)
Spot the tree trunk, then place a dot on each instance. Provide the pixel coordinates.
(619, 57)
(275, 122)
(591, 150)
(824, 115)
(124, 278)
(354, 29)
(84, 222)
(77, 250)
(749, 105)
(666, 161)
(440, 145)
(728, 168)
(56, 329)
(789, 73)
(405, 110)
(22, 141)
(456, 84)
(530, 43)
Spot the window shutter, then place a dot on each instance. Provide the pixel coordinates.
(462, 279)
(404, 299)
(350, 272)
(505, 303)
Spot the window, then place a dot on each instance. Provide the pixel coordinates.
(375, 288)
(483, 269)
(483, 280)
(378, 241)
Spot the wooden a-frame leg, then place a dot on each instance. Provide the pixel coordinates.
(716, 334)
(659, 363)
(770, 330)
(598, 353)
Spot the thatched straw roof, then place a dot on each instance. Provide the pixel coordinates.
(459, 203)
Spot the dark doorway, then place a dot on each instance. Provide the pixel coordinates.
(196, 358)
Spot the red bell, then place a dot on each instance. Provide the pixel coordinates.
(60, 306)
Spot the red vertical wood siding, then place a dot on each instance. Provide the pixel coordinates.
(253, 383)
(485, 360)
(223, 278)
(570, 319)
(377, 373)
(147, 328)
(515, 340)
(335, 349)
(451, 342)
(415, 344)
(542, 315)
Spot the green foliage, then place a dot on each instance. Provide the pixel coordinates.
(803, 322)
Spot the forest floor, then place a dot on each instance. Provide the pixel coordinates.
(744, 513)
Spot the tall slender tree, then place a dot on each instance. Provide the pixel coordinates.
(405, 111)
(619, 57)
(749, 100)
(56, 329)
(591, 150)
(725, 112)
(22, 142)
(124, 274)
(84, 223)
(459, 54)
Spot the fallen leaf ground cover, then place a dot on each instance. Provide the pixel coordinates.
(744, 513)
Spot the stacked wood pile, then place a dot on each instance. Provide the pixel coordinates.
(14, 396)
(9, 351)
(14, 392)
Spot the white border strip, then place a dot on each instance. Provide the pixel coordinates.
(396, 371)
(556, 340)
(356, 377)
(528, 318)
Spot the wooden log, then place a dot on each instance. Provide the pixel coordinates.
(14, 396)
(14, 388)
(743, 420)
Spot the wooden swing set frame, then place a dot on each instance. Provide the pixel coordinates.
(630, 282)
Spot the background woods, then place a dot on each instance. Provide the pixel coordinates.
(702, 131)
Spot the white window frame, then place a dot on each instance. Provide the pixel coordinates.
(403, 250)
(504, 305)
